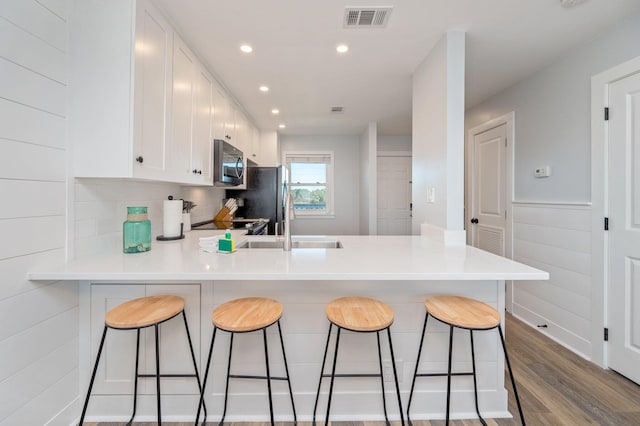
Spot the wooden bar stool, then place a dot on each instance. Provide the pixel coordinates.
(150, 311)
(244, 316)
(361, 315)
(468, 314)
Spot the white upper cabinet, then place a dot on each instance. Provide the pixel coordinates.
(202, 139)
(142, 105)
(190, 147)
(179, 145)
(120, 84)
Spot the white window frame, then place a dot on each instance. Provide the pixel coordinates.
(329, 211)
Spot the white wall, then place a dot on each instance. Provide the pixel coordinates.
(346, 179)
(39, 321)
(394, 143)
(552, 228)
(552, 110)
(368, 181)
(438, 135)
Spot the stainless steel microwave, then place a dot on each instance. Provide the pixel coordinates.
(228, 163)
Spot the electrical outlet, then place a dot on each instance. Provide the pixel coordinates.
(431, 194)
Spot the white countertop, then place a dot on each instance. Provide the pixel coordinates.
(362, 258)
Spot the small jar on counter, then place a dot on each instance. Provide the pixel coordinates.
(136, 231)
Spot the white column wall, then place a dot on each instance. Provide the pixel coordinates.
(438, 138)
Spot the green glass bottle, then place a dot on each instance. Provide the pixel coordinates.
(136, 231)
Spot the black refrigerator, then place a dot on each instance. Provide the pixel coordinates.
(263, 197)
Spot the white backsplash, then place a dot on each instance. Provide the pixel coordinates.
(101, 208)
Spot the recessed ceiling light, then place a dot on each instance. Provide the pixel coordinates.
(264, 88)
(282, 126)
(246, 48)
(342, 48)
(275, 111)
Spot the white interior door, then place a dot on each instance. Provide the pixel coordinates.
(394, 195)
(488, 214)
(624, 227)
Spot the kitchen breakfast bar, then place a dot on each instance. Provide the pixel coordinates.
(400, 271)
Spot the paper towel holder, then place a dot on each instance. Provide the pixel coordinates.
(179, 237)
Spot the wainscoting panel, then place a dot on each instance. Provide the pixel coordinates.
(555, 238)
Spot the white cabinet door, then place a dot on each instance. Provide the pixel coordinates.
(117, 365)
(220, 109)
(201, 144)
(179, 148)
(253, 152)
(152, 92)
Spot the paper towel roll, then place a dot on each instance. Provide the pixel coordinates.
(171, 218)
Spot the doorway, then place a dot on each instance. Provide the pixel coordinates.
(394, 194)
(623, 188)
(490, 159)
(615, 280)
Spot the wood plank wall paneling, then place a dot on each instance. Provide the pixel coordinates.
(38, 320)
(557, 239)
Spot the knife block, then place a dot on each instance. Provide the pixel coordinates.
(224, 215)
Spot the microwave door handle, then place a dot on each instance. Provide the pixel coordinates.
(239, 167)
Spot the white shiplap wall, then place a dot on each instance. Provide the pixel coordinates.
(555, 238)
(38, 321)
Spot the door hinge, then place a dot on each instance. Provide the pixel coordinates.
(606, 223)
(606, 113)
(606, 334)
(505, 142)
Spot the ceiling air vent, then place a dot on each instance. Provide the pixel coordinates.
(366, 17)
(337, 110)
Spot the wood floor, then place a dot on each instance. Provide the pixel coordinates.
(556, 387)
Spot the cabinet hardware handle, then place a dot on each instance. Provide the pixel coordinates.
(199, 172)
(474, 220)
(139, 159)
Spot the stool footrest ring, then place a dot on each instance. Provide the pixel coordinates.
(442, 374)
(352, 375)
(242, 376)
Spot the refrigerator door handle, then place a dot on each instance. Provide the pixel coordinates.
(277, 230)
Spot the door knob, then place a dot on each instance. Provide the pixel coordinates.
(474, 220)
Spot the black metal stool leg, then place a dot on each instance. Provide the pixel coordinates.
(449, 373)
(415, 372)
(475, 382)
(333, 375)
(395, 376)
(135, 383)
(324, 359)
(226, 388)
(93, 376)
(204, 380)
(286, 370)
(193, 358)
(513, 381)
(384, 399)
(158, 375)
(266, 361)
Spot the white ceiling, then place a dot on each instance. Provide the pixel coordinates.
(294, 52)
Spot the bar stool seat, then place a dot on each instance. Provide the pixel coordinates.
(247, 315)
(136, 314)
(144, 312)
(465, 313)
(462, 312)
(361, 315)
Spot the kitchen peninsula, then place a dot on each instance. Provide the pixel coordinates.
(400, 271)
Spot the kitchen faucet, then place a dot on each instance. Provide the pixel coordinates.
(289, 215)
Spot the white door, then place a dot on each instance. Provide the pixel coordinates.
(488, 213)
(394, 195)
(624, 227)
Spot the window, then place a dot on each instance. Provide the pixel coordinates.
(311, 177)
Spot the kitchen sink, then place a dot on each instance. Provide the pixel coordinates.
(296, 244)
